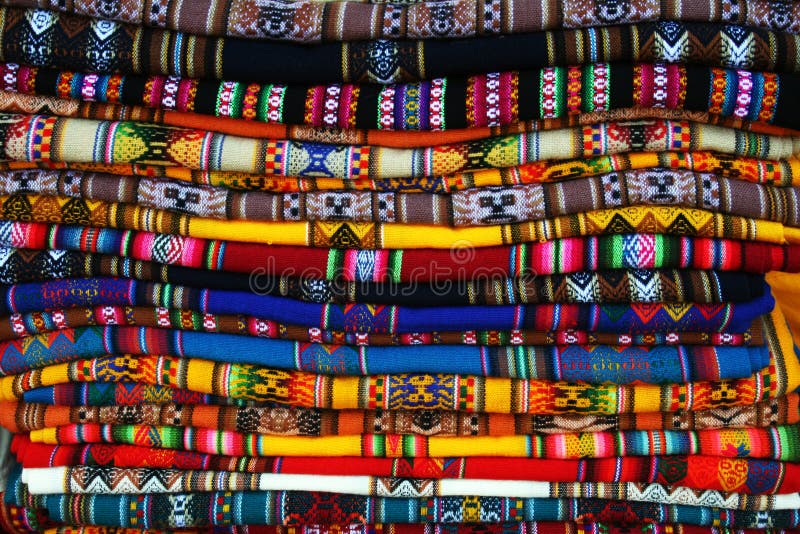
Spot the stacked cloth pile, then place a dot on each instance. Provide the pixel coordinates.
(433, 267)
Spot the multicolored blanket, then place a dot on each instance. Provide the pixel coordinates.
(487, 99)
(88, 346)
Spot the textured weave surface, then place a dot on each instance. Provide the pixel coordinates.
(776, 172)
(488, 99)
(626, 251)
(312, 21)
(685, 469)
(773, 443)
(479, 206)
(611, 286)
(637, 318)
(51, 105)
(19, 325)
(99, 480)
(368, 235)
(289, 508)
(592, 364)
(43, 138)
(295, 421)
(425, 391)
(46, 38)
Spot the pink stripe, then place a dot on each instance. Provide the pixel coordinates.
(345, 99)
(507, 110)
(646, 96)
(183, 97)
(155, 93)
(109, 157)
(674, 75)
(479, 100)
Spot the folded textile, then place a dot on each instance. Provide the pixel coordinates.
(47, 38)
(635, 318)
(18, 325)
(291, 507)
(21, 517)
(114, 481)
(128, 394)
(31, 138)
(368, 235)
(63, 107)
(419, 265)
(311, 21)
(480, 206)
(19, 266)
(427, 391)
(754, 475)
(295, 421)
(87, 347)
(487, 99)
(122, 393)
(775, 172)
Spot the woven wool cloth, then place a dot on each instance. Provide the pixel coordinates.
(774, 443)
(473, 207)
(20, 325)
(297, 507)
(598, 364)
(19, 266)
(775, 172)
(369, 235)
(14, 516)
(100, 480)
(67, 41)
(417, 391)
(296, 421)
(591, 364)
(89, 141)
(305, 21)
(556, 256)
(636, 318)
(133, 393)
(492, 99)
(671, 470)
(65, 107)
(194, 248)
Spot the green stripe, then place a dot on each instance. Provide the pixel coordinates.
(561, 91)
(334, 265)
(395, 264)
(263, 103)
(660, 250)
(237, 100)
(587, 89)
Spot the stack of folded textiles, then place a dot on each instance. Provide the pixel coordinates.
(437, 267)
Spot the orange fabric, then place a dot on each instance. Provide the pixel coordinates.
(401, 139)
(786, 290)
(398, 139)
